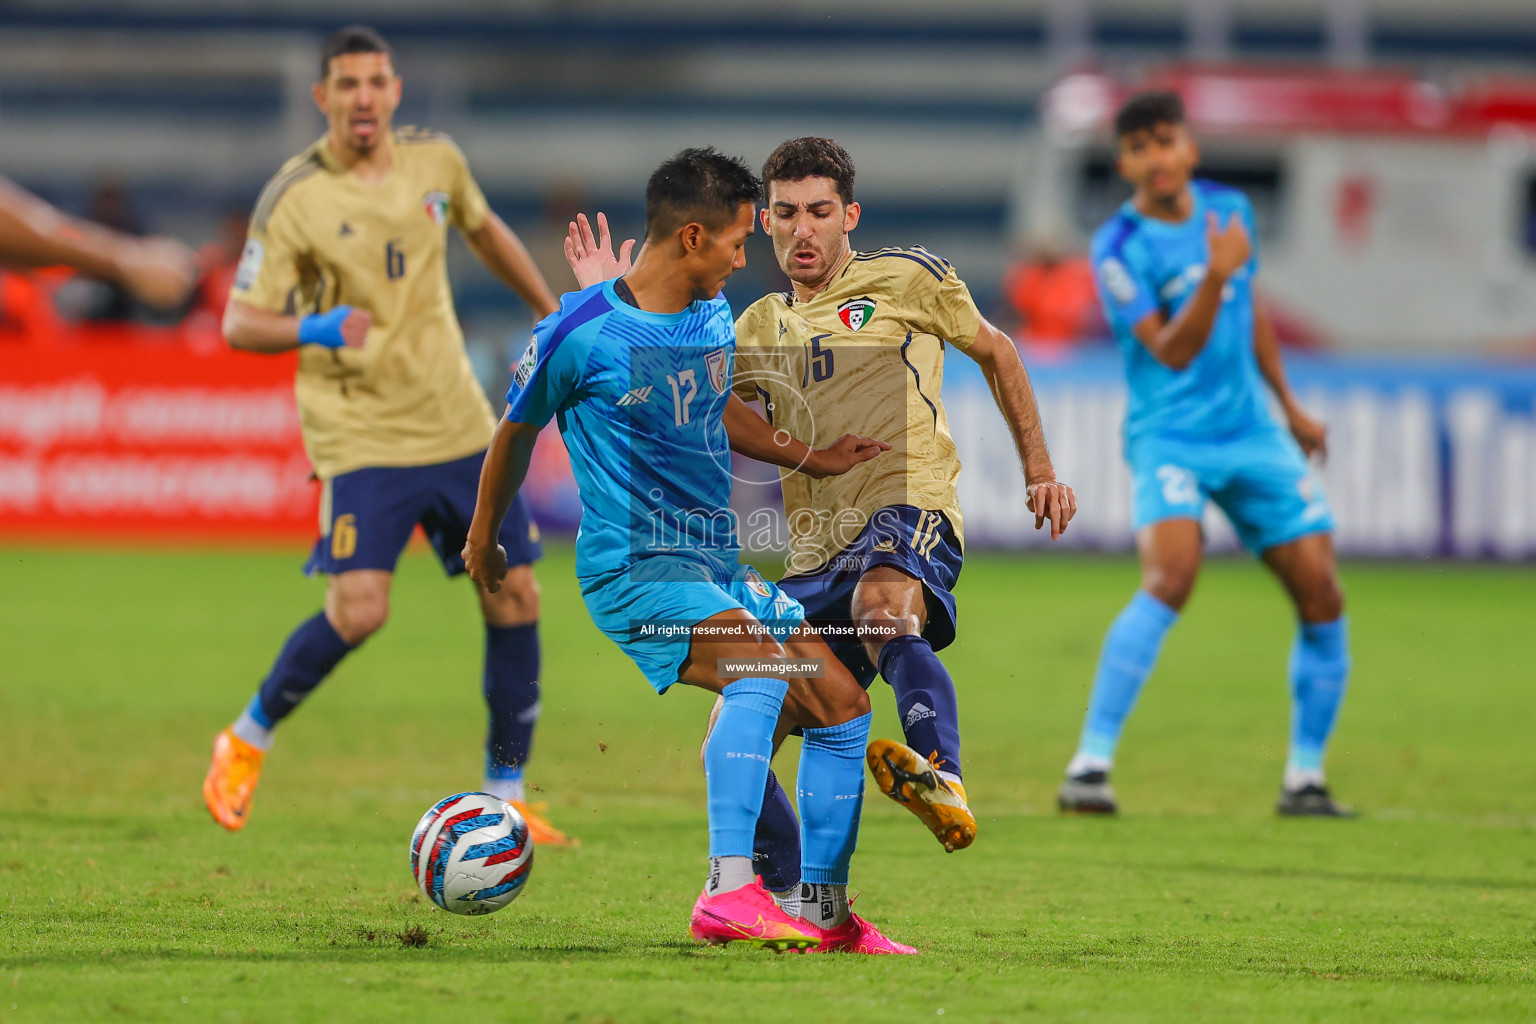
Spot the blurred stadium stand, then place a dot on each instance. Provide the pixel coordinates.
(562, 104)
(568, 105)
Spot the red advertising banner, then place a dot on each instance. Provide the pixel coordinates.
(143, 440)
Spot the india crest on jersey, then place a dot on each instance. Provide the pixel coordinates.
(436, 205)
(715, 364)
(855, 313)
(523, 371)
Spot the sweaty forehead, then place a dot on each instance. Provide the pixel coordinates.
(803, 192)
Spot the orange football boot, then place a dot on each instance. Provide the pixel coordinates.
(539, 829)
(231, 780)
(907, 777)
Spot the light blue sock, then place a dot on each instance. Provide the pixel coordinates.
(1130, 650)
(831, 791)
(1319, 675)
(736, 762)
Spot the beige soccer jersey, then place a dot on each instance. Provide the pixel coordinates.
(866, 356)
(321, 238)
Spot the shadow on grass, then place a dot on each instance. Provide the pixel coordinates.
(365, 953)
(1331, 875)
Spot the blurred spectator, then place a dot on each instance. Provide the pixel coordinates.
(1051, 297)
(546, 244)
(26, 308)
(217, 262)
(90, 298)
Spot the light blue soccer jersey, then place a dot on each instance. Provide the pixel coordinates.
(639, 398)
(1204, 432)
(1142, 265)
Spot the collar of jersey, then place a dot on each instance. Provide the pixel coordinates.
(645, 315)
(1156, 226)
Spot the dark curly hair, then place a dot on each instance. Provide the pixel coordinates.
(811, 156)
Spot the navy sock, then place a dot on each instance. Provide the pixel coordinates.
(312, 651)
(512, 697)
(925, 699)
(776, 846)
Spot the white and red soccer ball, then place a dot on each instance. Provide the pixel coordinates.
(471, 854)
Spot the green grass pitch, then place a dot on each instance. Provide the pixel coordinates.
(121, 900)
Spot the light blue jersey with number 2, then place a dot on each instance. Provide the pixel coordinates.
(1203, 432)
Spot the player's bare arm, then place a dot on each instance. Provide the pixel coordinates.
(253, 329)
(158, 271)
(755, 437)
(503, 253)
(1049, 499)
(1175, 343)
(1310, 433)
(506, 465)
(591, 257)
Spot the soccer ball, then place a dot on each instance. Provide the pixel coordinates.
(471, 854)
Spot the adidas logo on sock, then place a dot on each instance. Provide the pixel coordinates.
(919, 711)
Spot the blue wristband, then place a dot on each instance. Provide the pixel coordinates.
(324, 329)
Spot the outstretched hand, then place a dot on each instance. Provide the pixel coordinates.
(160, 272)
(1053, 502)
(592, 259)
(842, 455)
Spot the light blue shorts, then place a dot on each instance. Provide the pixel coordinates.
(1260, 480)
(650, 606)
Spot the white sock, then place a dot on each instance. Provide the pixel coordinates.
(505, 789)
(951, 778)
(727, 874)
(1296, 778)
(787, 899)
(252, 731)
(1082, 762)
(825, 906)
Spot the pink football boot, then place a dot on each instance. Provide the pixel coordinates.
(856, 935)
(750, 915)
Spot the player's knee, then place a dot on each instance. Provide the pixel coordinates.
(844, 699)
(879, 624)
(358, 617)
(1171, 584)
(516, 603)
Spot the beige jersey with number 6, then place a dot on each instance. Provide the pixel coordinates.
(319, 238)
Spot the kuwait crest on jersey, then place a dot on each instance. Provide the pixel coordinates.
(855, 313)
(715, 364)
(436, 205)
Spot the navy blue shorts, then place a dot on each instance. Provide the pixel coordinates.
(919, 542)
(367, 516)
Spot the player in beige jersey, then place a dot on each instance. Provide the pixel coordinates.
(859, 342)
(345, 262)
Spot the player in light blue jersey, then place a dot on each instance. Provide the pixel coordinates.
(1175, 269)
(637, 373)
